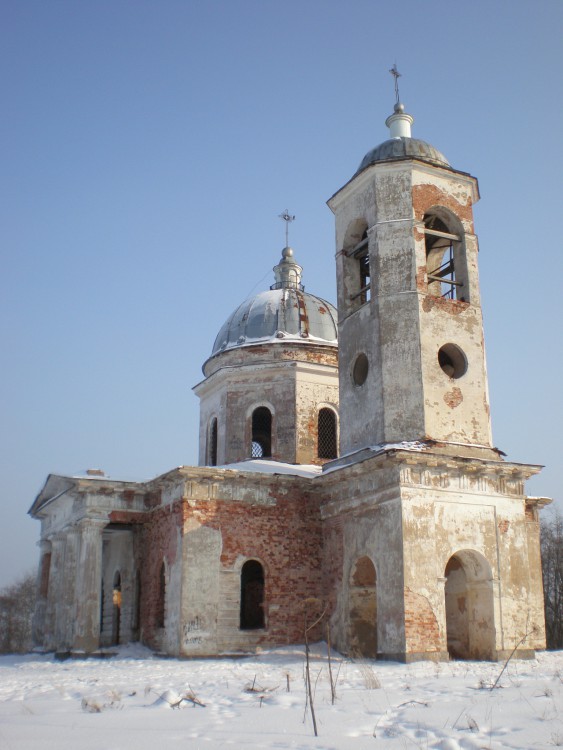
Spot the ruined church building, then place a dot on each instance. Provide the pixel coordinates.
(345, 455)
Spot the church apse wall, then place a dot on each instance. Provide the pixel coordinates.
(228, 521)
(193, 551)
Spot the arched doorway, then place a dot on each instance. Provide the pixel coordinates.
(116, 614)
(470, 624)
(251, 596)
(363, 609)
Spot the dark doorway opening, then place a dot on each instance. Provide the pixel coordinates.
(251, 596)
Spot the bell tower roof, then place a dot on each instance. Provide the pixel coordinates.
(401, 144)
(403, 147)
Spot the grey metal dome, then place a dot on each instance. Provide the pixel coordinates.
(285, 312)
(279, 315)
(403, 148)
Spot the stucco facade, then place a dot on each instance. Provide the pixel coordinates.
(346, 461)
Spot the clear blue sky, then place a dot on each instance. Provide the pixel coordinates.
(147, 150)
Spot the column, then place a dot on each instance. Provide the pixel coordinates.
(51, 638)
(43, 576)
(88, 586)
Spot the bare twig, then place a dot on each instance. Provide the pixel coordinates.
(309, 691)
(520, 642)
(328, 647)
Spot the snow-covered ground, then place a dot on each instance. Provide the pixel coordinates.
(133, 701)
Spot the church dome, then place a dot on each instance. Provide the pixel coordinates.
(404, 148)
(283, 313)
(401, 145)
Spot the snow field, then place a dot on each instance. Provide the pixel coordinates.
(139, 701)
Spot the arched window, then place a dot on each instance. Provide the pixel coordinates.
(360, 254)
(326, 434)
(356, 287)
(161, 598)
(212, 443)
(261, 433)
(251, 596)
(443, 259)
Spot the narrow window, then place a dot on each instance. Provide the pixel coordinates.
(441, 259)
(161, 598)
(212, 443)
(102, 608)
(116, 615)
(326, 434)
(44, 577)
(251, 596)
(137, 605)
(360, 253)
(261, 433)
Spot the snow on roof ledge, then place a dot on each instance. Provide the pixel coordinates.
(267, 466)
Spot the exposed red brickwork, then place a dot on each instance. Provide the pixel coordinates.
(286, 537)
(422, 283)
(503, 526)
(422, 633)
(158, 541)
(451, 306)
(426, 196)
(128, 517)
(321, 354)
(453, 398)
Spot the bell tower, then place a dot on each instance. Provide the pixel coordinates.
(412, 357)
(431, 545)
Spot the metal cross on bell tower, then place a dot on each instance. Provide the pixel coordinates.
(396, 75)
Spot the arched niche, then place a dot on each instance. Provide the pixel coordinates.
(363, 608)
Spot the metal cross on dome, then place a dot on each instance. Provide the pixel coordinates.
(288, 219)
(396, 75)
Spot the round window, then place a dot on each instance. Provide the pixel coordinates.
(452, 360)
(360, 369)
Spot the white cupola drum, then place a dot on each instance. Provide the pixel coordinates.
(288, 272)
(399, 123)
(271, 382)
